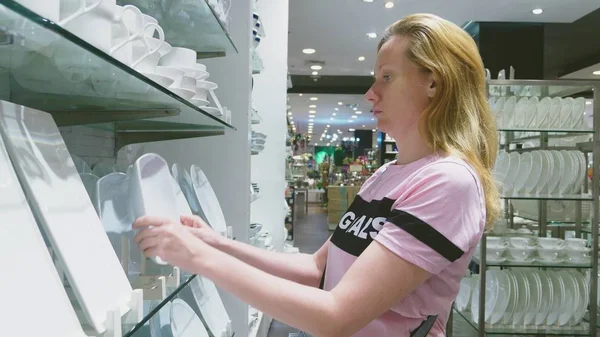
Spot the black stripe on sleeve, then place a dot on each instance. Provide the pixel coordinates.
(428, 235)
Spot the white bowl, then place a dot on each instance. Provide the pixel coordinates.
(578, 254)
(200, 66)
(148, 64)
(496, 242)
(159, 79)
(183, 93)
(575, 243)
(179, 57)
(164, 47)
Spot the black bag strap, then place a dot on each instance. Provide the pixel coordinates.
(425, 327)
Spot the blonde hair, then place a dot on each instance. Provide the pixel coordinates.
(458, 119)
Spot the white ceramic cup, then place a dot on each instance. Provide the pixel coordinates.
(576, 243)
(519, 242)
(549, 254)
(179, 57)
(521, 254)
(496, 242)
(578, 254)
(185, 82)
(550, 243)
(55, 10)
(173, 73)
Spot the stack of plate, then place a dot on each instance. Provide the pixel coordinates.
(543, 172)
(258, 141)
(547, 113)
(527, 297)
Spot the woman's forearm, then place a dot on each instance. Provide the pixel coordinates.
(301, 268)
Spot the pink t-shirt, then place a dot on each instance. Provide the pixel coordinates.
(430, 213)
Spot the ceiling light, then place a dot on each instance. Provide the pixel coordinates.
(315, 73)
(374, 130)
(289, 113)
(351, 121)
(327, 144)
(308, 51)
(311, 120)
(312, 111)
(364, 126)
(358, 112)
(351, 130)
(372, 35)
(336, 109)
(597, 73)
(310, 124)
(361, 58)
(328, 136)
(333, 114)
(312, 106)
(316, 67)
(291, 117)
(588, 103)
(368, 1)
(292, 122)
(314, 98)
(355, 109)
(538, 11)
(316, 144)
(372, 119)
(345, 138)
(372, 73)
(389, 4)
(354, 116)
(331, 118)
(340, 103)
(300, 95)
(328, 125)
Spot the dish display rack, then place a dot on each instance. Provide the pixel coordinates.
(536, 272)
(36, 71)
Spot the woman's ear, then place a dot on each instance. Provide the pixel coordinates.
(432, 87)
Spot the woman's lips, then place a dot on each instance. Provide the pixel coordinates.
(377, 112)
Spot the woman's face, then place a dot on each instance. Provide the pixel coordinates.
(401, 90)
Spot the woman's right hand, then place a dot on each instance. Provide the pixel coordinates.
(201, 230)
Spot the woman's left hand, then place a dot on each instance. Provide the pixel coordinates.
(169, 240)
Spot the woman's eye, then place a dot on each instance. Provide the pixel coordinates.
(386, 78)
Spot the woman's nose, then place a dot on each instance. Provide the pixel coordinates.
(371, 96)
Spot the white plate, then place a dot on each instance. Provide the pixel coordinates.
(497, 109)
(491, 295)
(206, 85)
(531, 112)
(553, 113)
(513, 170)
(208, 200)
(564, 119)
(464, 294)
(151, 190)
(81, 165)
(183, 92)
(577, 169)
(520, 115)
(541, 115)
(568, 171)
(512, 299)
(557, 172)
(580, 310)
(558, 289)
(44, 166)
(522, 306)
(159, 79)
(210, 304)
(113, 200)
(577, 112)
(571, 298)
(199, 102)
(184, 321)
(184, 180)
(547, 297)
(538, 178)
(31, 275)
(508, 112)
(535, 297)
(503, 301)
(525, 172)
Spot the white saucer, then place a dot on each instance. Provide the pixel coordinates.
(160, 79)
(557, 261)
(585, 261)
(199, 102)
(206, 85)
(183, 93)
(528, 261)
(212, 110)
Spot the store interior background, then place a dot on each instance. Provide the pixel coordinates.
(322, 141)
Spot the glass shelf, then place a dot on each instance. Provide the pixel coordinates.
(535, 264)
(509, 129)
(45, 67)
(575, 197)
(189, 24)
(580, 330)
(153, 310)
(540, 88)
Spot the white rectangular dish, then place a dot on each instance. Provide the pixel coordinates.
(34, 289)
(62, 206)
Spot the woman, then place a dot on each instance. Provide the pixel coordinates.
(399, 253)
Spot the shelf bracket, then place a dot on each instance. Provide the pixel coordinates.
(82, 117)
